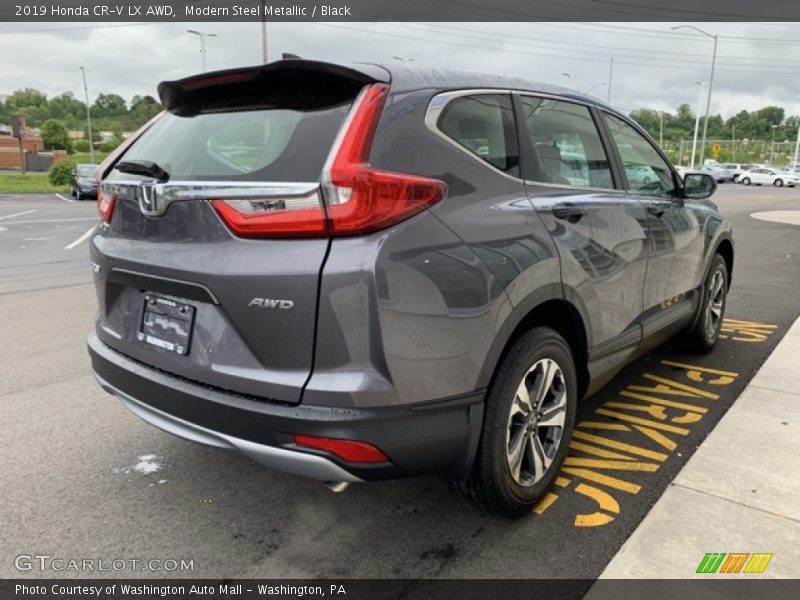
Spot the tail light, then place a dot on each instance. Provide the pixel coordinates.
(349, 450)
(105, 203)
(360, 198)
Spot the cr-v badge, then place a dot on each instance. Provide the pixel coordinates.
(271, 303)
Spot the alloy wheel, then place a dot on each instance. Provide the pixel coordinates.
(715, 304)
(536, 422)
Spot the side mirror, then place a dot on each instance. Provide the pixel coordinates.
(698, 186)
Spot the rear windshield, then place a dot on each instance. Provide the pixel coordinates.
(271, 144)
(86, 170)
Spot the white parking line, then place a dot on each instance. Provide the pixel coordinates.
(19, 214)
(80, 239)
(66, 199)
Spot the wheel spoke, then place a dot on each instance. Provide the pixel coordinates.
(554, 414)
(543, 383)
(516, 451)
(535, 456)
(522, 401)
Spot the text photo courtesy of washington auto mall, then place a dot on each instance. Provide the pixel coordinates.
(400, 299)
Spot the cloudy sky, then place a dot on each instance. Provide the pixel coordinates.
(758, 64)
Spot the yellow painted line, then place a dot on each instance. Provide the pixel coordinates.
(662, 402)
(695, 373)
(545, 503)
(658, 438)
(753, 324)
(562, 481)
(617, 465)
(607, 480)
(671, 386)
(640, 421)
(630, 448)
(593, 520)
(601, 425)
(595, 451)
(657, 412)
(604, 499)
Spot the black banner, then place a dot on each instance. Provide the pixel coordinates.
(396, 10)
(384, 589)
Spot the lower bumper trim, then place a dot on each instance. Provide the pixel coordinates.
(281, 459)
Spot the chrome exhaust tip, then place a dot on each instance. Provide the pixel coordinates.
(337, 486)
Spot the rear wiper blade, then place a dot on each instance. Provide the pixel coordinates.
(143, 167)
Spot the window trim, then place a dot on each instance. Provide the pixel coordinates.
(437, 105)
(621, 167)
(526, 156)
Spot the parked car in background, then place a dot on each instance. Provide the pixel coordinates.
(764, 176)
(737, 169)
(719, 174)
(278, 274)
(82, 181)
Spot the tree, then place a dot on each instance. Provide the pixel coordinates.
(55, 136)
(25, 98)
(68, 109)
(109, 105)
(143, 108)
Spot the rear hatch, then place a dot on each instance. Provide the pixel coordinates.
(208, 259)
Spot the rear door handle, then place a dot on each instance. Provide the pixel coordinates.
(569, 212)
(657, 210)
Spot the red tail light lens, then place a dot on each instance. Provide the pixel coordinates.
(248, 219)
(105, 203)
(361, 198)
(349, 450)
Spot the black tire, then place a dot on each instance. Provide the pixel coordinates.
(779, 182)
(703, 336)
(746, 180)
(492, 486)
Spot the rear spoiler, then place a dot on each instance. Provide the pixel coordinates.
(292, 82)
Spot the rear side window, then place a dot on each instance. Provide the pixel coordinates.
(484, 125)
(270, 144)
(646, 171)
(566, 146)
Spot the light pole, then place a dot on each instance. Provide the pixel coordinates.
(696, 120)
(88, 116)
(610, 78)
(710, 82)
(596, 85)
(202, 35)
(733, 140)
(772, 148)
(264, 31)
(661, 129)
(797, 148)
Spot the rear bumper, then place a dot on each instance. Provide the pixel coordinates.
(438, 437)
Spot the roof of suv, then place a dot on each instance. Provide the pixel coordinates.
(408, 78)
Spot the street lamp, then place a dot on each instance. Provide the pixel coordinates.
(772, 148)
(88, 116)
(202, 35)
(696, 120)
(596, 85)
(569, 75)
(710, 81)
(402, 59)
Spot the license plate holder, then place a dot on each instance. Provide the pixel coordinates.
(166, 324)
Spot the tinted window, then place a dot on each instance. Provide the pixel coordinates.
(484, 125)
(86, 170)
(646, 171)
(273, 144)
(566, 146)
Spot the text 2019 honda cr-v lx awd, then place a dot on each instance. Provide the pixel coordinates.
(360, 272)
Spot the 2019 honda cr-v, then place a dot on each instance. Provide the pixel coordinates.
(359, 272)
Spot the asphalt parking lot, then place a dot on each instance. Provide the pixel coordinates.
(84, 478)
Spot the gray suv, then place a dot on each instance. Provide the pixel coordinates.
(362, 272)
